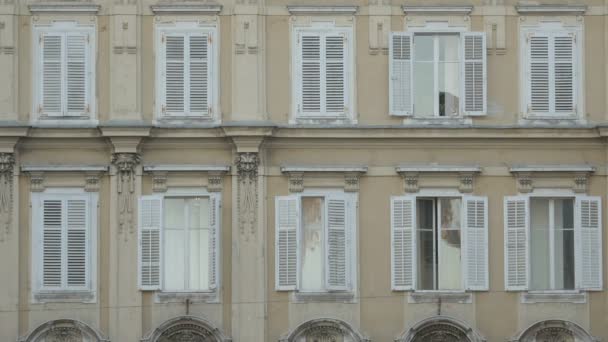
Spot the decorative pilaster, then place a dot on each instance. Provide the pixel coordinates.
(247, 189)
(125, 164)
(7, 163)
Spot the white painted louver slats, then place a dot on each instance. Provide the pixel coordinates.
(311, 73)
(51, 96)
(174, 74)
(589, 233)
(540, 96)
(77, 218)
(286, 244)
(334, 75)
(199, 75)
(476, 243)
(76, 80)
(214, 231)
(150, 221)
(337, 245)
(52, 255)
(474, 65)
(403, 243)
(563, 70)
(400, 73)
(516, 220)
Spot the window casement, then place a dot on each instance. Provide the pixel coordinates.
(553, 243)
(64, 78)
(314, 243)
(439, 243)
(437, 74)
(179, 242)
(552, 74)
(64, 234)
(186, 72)
(323, 65)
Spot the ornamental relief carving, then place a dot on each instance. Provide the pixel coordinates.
(64, 334)
(7, 162)
(555, 334)
(187, 333)
(247, 188)
(125, 164)
(440, 333)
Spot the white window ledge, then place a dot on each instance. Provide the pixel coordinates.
(552, 168)
(205, 9)
(338, 169)
(323, 9)
(438, 168)
(430, 121)
(324, 297)
(553, 121)
(553, 297)
(546, 9)
(64, 8)
(71, 122)
(419, 297)
(193, 297)
(186, 168)
(65, 297)
(325, 121)
(442, 10)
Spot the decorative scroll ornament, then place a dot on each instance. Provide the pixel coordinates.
(7, 162)
(64, 334)
(125, 165)
(247, 168)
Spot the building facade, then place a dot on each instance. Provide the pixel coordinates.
(303, 170)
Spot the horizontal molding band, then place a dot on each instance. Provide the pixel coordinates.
(552, 168)
(337, 169)
(186, 168)
(322, 9)
(58, 8)
(64, 168)
(437, 168)
(186, 9)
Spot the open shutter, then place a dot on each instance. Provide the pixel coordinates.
(476, 243)
(174, 75)
(400, 73)
(77, 75)
(286, 244)
(516, 218)
(198, 72)
(77, 242)
(310, 74)
(336, 269)
(335, 75)
(51, 65)
(150, 234)
(539, 73)
(52, 231)
(589, 235)
(214, 239)
(403, 243)
(563, 71)
(474, 72)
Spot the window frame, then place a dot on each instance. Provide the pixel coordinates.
(64, 28)
(188, 29)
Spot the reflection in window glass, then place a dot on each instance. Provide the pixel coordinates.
(426, 244)
(312, 243)
(449, 244)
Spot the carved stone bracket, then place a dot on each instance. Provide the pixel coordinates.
(125, 164)
(410, 181)
(581, 179)
(296, 181)
(37, 181)
(215, 181)
(463, 174)
(524, 182)
(7, 163)
(159, 181)
(92, 181)
(527, 175)
(351, 181)
(247, 189)
(466, 182)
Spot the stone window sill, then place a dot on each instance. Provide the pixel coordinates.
(65, 297)
(566, 121)
(180, 297)
(419, 297)
(323, 121)
(533, 297)
(438, 121)
(324, 297)
(65, 122)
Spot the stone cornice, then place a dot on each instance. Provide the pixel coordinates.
(551, 9)
(322, 9)
(438, 10)
(438, 168)
(552, 168)
(186, 168)
(187, 8)
(62, 8)
(360, 169)
(64, 168)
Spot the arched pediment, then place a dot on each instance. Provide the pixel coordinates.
(186, 329)
(440, 329)
(64, 330)
(554, 331)
(324, 330)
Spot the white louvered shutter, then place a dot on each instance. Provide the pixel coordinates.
(403, 243)
(476, 243)
(51, 73)
(400, 73)
(52, 241)
(539, 73)
(336, 269)
(335, 75)
(474, 72)
(516, 218)
(589, 235)
(76, 74)
(310, 74)
(198, 74)
(77, 242)
(214, 239)
(150, 235)
(286, 242)
(563, 73)
(174, 75)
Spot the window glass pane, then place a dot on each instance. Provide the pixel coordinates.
(175, 213)
(563, 243)
(198, 251)
(312, 243)
(449, 89)
(426, 254)
(540, 264)
(450, 277)
(174, 263)
(424, 79)
(449, 48)
(423, 50)
(198, 212)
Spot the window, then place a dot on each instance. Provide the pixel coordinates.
(64, 71)
(64, 235)
(323, 73)
(541, 248)
(187, 84)
(437, 74)
(179, 242)
(552, 72)
(314, 242)
(439, 243)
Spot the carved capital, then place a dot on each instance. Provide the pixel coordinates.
(581, 181)
(91, 182)
(351, 181)
(215, 181)
(466, 182)
(524, 182)
(410, 181)
(159, 181)
(296, 181)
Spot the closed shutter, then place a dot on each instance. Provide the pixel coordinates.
(51, 65)
(150, 226)
(52, 241)
(214, 239)
(335, 75)
(198, 72)
(336, 269)
(400, 73)
(310, 74)
(589, 235)
(286, 243)
(77, 242)
(516, 218)
(76, 78)
(476, 243)
(563, 71)
(474, 72)
(174, 74)
(403, 243)
(539, 73)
